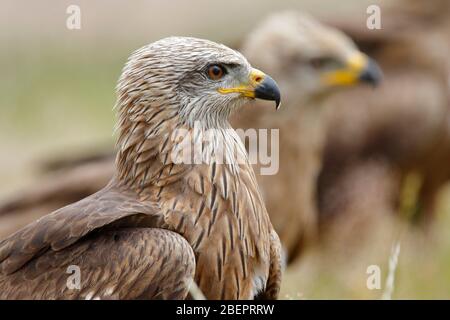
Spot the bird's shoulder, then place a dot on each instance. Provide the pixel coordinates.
(109, 207)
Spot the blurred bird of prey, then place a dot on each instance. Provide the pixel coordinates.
(401, 140)
(311, 61)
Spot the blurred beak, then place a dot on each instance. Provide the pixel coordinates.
(359, 68)
(259, 86)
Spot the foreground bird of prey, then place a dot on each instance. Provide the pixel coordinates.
(163, 220)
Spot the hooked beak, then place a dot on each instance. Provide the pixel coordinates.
(259, 86)
(359, 68)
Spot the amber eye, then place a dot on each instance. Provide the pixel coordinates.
(215, 72)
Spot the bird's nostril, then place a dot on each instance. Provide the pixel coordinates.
(258, 79)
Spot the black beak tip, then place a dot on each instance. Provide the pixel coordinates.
(277, 103)
(268, 90)
(372, 74)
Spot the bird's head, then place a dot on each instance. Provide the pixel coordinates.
(309, 58)
(191, 80)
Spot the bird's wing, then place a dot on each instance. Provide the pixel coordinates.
(125, 263)
(65, 226)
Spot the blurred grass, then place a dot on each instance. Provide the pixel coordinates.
(52, 102)
(86, 91)
(423, 271)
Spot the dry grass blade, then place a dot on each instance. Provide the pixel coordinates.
(195, 292)
(390, 280)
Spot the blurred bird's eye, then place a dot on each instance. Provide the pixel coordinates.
(215, 72)
(320, 62)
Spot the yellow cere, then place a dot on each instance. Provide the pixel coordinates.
(356, 63)
(247, 89)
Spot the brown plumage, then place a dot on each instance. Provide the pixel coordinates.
(160, 222)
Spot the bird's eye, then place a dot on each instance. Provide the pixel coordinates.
(320, 62)
(216, 72)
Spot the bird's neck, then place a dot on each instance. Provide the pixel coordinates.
(205, 188)
(154, 155)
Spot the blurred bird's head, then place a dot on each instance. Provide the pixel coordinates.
(308, 58)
